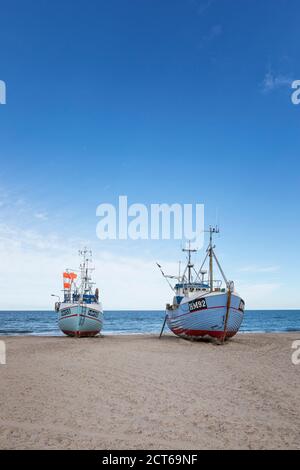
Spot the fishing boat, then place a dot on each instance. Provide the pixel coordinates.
(203, 306)
(80, 313)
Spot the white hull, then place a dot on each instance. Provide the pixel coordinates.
(76, 319)
(205, 315)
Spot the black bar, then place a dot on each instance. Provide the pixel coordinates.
(137, 458)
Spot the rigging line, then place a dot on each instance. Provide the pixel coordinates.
(196, 274)
(219, 266)
(199, 271)
(163, 274)
(184, 272)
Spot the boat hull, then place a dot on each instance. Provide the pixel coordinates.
(205, 316)
(80, 320)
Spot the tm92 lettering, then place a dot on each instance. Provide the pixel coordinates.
(162, 459)
(196, 305)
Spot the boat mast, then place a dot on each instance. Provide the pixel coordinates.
(85, 269)
(190, 265)
(212, 230)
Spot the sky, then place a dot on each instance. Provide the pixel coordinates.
(182, 101)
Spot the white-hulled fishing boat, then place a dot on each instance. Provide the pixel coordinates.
(202, 307)
(80, 313)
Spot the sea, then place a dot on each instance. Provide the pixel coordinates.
(44, 323)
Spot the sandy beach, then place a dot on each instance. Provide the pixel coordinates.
(138, 392)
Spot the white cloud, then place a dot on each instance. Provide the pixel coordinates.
(214, 33)
(259, 269)
(14, 207)
(262, 295)
(268, 295)
(202, 7)
(32, 264)
(41, 215)
(273, 82)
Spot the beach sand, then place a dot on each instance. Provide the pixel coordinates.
(138, 392)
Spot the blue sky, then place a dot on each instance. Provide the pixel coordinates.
(164, 101)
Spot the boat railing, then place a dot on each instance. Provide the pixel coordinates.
(87, 299)
(217, 284)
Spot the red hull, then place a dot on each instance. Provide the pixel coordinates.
(202, 333)
(80, 334)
